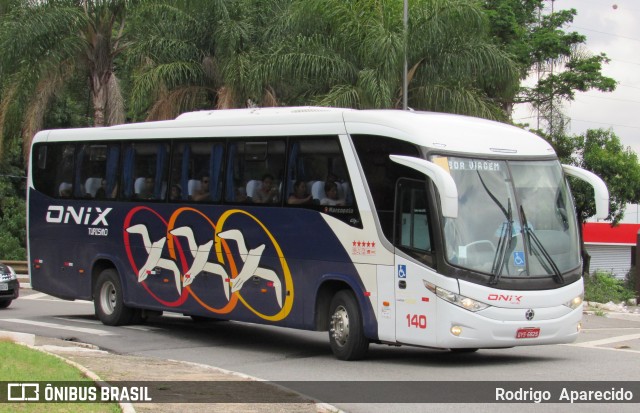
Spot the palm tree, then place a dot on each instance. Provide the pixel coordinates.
(193, 55)
(169, 64)
(328, 52)
(45, 45)
(7, 5)
(351, 53)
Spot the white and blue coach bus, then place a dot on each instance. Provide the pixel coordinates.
(380, 226)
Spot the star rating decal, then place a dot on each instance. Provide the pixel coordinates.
(363, 247)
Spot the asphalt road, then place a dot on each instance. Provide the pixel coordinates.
(607, 350)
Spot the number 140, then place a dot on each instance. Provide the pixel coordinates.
(417, 320)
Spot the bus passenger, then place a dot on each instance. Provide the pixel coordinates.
(65, 190)
(331, 192)
(101, 193)
(299, 195)
(147, 188)
(176, 193)
(202, 193)
(267, 193)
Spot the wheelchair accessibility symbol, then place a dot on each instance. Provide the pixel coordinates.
(518, 258)
(402, 271)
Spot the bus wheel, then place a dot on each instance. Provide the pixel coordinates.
(5, 303)
(346, 332)
(108, 300)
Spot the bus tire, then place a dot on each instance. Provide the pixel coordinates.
(108, 300)
(5, 303)
(346, 330)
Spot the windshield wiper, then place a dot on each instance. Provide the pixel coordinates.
(540, 251)
(504, 245)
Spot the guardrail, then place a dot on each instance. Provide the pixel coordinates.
(20, 267)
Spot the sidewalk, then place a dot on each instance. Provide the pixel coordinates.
(100, 365)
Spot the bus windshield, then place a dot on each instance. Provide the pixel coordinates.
(515, 218)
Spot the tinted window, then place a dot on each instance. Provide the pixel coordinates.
(382, 173)
(412, 219)
(97, 171)
(53, 171)
(145, 170)
(255, 171)
(197, 171)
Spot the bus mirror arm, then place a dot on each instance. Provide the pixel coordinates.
(442, 179)
(599, 187)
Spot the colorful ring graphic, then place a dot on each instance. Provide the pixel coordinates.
(177, 254)
(127, 223)
(233, 300)
(288, 281)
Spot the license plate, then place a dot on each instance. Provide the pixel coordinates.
(4, 287)
(528, 333)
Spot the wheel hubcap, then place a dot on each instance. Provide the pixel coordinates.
(108, 297)
(340, 325)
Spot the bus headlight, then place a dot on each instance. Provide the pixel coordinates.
(457, 299)
(575, 303)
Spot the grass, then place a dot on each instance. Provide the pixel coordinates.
(20, 363)
(602, 288)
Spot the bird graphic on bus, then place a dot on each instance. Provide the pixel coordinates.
(200, 263)
(250, 258)
(154, 249)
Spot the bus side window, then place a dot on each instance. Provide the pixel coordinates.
(317, 178)
(43, 175)
(145, 171)
(197, 171)
(315, 163)
(53, 173)
(381, 173)
(97, 171)
(249, 164)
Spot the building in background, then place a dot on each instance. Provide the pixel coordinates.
(610, 247)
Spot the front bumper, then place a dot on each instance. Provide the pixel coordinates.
(499, 328)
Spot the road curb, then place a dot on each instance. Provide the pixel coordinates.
(28, 340)
(24, 280)
(320, 406)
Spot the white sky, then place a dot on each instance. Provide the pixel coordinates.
(611, 27)
(615, 32)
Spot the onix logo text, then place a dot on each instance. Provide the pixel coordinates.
(57, 214)
(513, 299)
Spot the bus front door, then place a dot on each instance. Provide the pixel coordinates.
(415, 304)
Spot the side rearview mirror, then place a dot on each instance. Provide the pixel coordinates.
(599, 187)
(442, 180)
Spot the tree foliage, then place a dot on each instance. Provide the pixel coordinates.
(47, 44)
(12, 206)
(196, 54)
(600, 151)
(326, 52)
(535, 36)
(351, 53)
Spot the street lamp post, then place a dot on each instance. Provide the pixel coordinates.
(405, 80)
